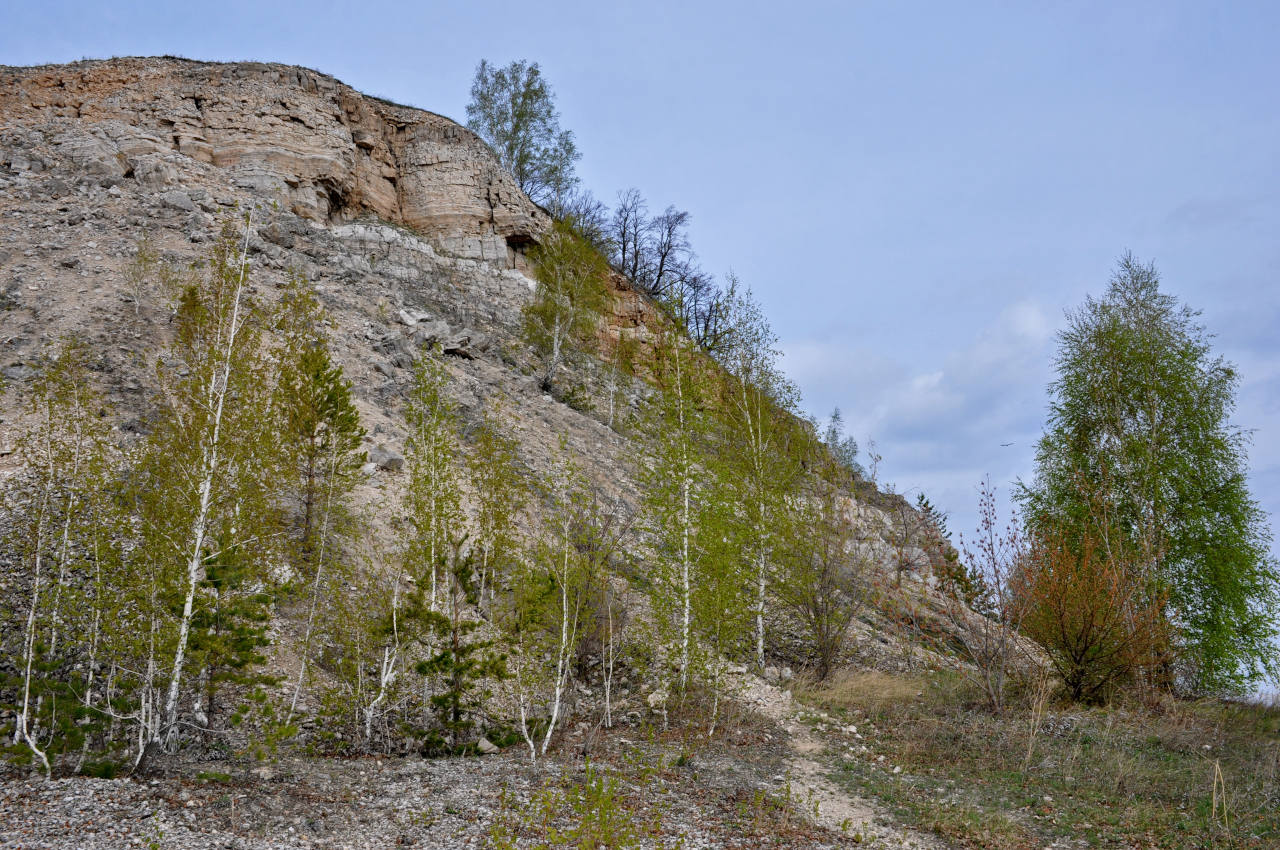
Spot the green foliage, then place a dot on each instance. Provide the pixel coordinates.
(824, 580)
(513, 109)
(205, 480)
(319, 424)
(1139, 420)
(500, 495)
(842, 447)
(761, 467)
(433, 498)
(230, 628)
(570, 297)
(700, 586)
(459, 662)
(59, 545)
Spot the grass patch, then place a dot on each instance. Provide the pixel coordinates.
(1201, 774)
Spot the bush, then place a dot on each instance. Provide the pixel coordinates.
(1091, 609)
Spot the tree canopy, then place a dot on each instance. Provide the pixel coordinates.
(513, 109)
(1139, 421)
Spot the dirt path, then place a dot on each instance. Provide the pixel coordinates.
(828, 804)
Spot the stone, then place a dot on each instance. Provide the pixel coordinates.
(487, 747)
(412, 317)
(277, 235)
(17, 372)
(431, 333)
(153, 173)
(178, 200)
(393, 343)
(386, 458)
(466, 343)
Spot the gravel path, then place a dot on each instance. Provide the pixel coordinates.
(826, 802)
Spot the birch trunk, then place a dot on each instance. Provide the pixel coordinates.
(210, 456)
(562, 652)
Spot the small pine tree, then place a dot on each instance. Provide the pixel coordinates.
(319, 423)
(460, 662)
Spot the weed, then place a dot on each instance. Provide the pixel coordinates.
(213, 776)
(1168, 774)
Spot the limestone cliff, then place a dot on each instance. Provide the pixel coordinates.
(328, 152)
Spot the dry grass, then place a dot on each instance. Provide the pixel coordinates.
(1170, 775)
(869, 691)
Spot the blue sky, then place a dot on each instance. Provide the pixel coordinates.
(915, 191)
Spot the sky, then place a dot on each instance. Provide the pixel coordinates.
(917, 193)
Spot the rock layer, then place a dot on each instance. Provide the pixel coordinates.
(325, 151)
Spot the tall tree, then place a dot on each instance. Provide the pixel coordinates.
(698, 583)
(825, 577)
(1139, 414)
(758, 409)
(433, 498)
(208, 467)
(629, 231)
(513, 109)
(60, 545)
(319, 423)
(500, 496)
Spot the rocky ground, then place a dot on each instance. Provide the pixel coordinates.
(761, 781)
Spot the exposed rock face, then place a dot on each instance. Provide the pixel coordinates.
(401, 222)
(327, 152)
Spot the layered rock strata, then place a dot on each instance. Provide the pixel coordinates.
(322, 149)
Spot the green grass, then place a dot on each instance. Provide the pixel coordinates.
(1119, 776)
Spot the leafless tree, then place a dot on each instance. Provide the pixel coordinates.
(629, 227)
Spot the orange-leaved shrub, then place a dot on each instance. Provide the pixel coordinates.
(1090, 605)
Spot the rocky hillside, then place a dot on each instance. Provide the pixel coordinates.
(406, 227)
(402, 219)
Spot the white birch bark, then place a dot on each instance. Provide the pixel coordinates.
(562, 651)
(210, 467)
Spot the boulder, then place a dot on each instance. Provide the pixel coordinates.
(427, 334)
(412, 317)
(178, 200)
(386, 458)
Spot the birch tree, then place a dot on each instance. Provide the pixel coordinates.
(679, 498)
(544, 615)
(433, 505)
(210, 460)
(569, 298)
(758, 408)
(56, 504)
(500, 496)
